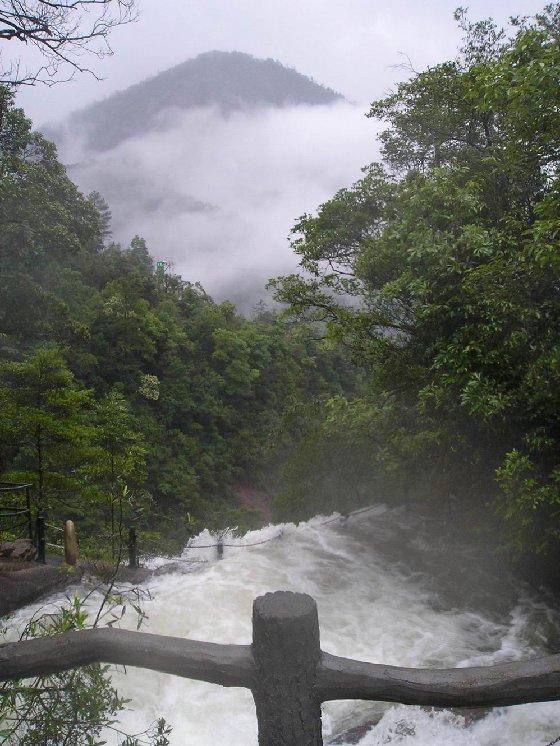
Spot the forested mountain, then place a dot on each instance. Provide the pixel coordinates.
(118, 375)
(226, 80)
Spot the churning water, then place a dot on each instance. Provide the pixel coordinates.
(378, 601)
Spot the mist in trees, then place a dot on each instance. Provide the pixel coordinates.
(439, 268)
(116, 373)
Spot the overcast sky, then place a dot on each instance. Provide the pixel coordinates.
(350, 45)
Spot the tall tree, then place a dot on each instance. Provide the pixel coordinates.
(45, 417)
(118, 453)
(105, 217)
(450, 249)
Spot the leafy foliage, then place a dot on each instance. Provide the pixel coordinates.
(73, 707)
(117, 373)
(44, 413)
(448, 252)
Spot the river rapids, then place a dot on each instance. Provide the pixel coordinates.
(385, 593)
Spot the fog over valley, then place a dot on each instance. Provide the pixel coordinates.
(216, 192)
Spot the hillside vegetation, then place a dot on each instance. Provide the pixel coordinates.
(226, 80)
(436, 274)
(123, 387)
(450, 248)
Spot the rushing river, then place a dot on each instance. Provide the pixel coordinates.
(384, 593)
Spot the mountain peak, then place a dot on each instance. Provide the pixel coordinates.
(229, 81)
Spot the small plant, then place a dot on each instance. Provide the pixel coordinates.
(72, 708)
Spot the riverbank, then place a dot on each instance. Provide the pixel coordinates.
(25, 582)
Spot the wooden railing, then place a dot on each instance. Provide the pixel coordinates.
(20, 515)
(286, 670)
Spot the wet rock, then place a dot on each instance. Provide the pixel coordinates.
(18, 549)
(107, 572)
(23, 582)
(354, 735)
(176, 567)
(470, 715)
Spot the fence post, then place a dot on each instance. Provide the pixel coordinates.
(29, 517)
(132, 548)
(70, 544)
(286, 651)
(220, 548)
(40, 537)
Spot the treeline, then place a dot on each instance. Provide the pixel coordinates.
(449, 250)
(124, 388)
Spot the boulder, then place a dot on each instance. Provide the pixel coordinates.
(23, 582)
(18, 549)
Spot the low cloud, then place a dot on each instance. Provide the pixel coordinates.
(218, 196)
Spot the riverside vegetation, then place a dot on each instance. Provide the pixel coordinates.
(126, 395)
(418, 357)
(439, 269)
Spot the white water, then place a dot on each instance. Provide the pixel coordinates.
(370, 608)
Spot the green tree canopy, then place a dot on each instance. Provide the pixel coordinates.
(44, 421)
(440, 269)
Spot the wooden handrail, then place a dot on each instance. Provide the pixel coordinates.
(228, 665)
(536, 680)
(500, 685)
(286, 670)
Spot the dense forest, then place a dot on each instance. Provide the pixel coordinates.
(417, 357)
(118, 375)
(440, 270)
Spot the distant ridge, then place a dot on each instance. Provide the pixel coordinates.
(228, 80)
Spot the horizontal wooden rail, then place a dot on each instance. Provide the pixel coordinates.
(516, 683)
(286, 670)
(506, 684)
(228, 665)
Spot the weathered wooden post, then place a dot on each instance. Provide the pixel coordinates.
(286, 651)
(28, 508)
(132, 548)
(220, 548)
(40, 537)
(70, 544)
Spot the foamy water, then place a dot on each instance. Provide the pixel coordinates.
(370, 608)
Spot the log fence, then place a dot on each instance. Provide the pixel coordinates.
(68, 544)
(286, 670)
(18, 516)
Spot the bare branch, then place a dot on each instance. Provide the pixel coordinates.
(64, 33)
